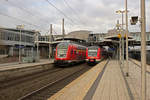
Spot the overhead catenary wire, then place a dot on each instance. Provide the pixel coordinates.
(74, 11)
(20, 20)
(55, 31)
(21, 8)
(12, 17)
(60, 11)
(48, 32)
(31, 14)
(25, 10)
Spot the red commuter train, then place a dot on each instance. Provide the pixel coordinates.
(93, 54)
(69, 53)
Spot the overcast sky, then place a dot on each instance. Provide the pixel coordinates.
(93, 15)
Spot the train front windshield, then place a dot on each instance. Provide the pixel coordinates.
(62, 50)
(92, 52)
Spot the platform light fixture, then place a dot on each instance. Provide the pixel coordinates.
(122, 39)
(121, 12)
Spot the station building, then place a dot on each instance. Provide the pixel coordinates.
(44, 45)
(137, 38)
(10, 41)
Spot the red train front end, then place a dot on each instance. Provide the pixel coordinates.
(93, 54)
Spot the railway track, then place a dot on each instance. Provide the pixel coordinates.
(19, 80)
(38, 93)
(41, 85)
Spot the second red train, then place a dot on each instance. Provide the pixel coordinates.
(94, 54)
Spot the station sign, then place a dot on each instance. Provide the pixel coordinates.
(119, 35)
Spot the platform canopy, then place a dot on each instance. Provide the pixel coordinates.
(77, 35)
(116, 34)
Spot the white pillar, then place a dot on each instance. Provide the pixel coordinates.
(143, 50)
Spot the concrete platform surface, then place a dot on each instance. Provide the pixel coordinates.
(139, 63)
(134, 79)
(111, 85)
(16, 65)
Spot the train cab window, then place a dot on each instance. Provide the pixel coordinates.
(92, 51)
(62, 50)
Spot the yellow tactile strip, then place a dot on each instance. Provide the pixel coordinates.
(77, 89)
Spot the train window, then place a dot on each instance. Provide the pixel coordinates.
(71, 52)
(74, 52)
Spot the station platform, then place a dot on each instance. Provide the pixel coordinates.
(105, 81)
(134, 79)
(138, 63)
(16, 65)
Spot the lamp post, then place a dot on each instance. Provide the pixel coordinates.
(63, 30)
(122, 38)
(122, 47)
(37, 44)
(121, 12)
(126, 13)
(20, 27)
(50, 40)
(20, 48)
